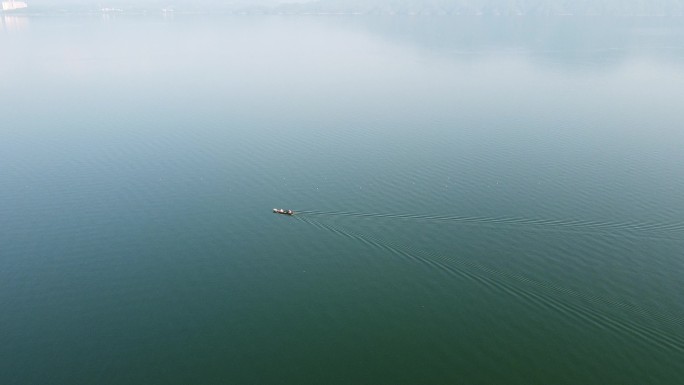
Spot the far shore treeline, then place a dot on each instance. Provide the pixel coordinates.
(378, 7)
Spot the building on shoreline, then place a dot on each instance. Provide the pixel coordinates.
(11, 5)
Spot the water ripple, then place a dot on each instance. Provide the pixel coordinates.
(584, 306)
(672, 228)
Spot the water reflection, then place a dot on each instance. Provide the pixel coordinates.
(14, 23)
(168, 13)
(316, 50)
(571, 43)
(566, 43)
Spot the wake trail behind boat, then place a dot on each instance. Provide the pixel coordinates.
(585, 306)
(667, 231)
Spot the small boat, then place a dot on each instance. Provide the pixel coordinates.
(284, 212)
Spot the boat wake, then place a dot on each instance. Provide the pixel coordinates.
(648, 325)
(668, 231)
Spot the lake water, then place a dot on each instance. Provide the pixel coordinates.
(480, 200)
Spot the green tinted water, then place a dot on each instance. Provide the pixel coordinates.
(479, 200)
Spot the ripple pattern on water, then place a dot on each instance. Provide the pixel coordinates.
(667, 229)
(585, 307)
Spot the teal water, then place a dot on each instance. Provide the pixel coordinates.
(480, 200)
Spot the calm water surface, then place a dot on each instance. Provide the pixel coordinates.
(479, 200)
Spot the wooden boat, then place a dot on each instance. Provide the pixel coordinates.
(284, 212)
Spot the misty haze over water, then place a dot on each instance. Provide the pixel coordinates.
(478, 199)
(411, 7)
